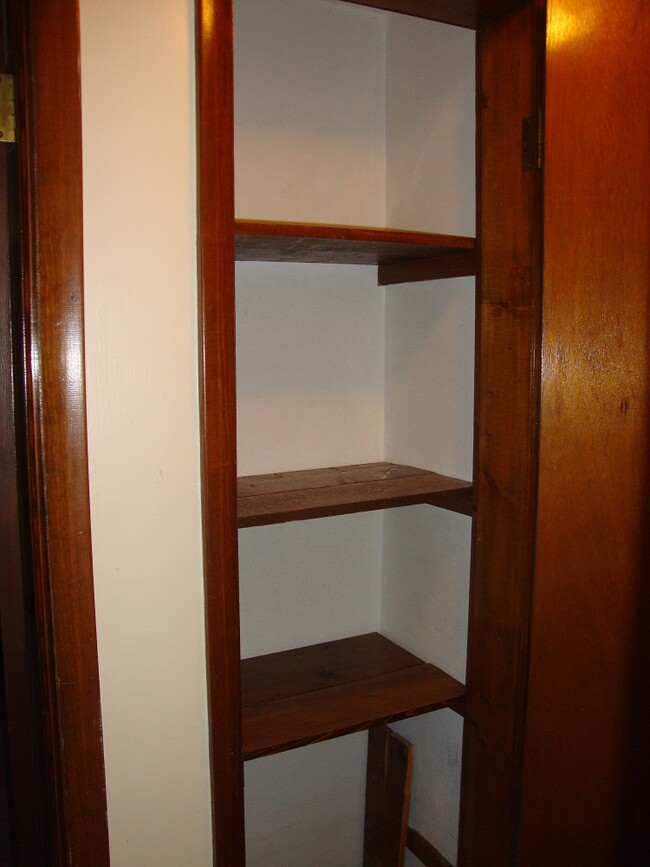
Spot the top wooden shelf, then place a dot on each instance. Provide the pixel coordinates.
(275, 498)
(402, 256)
(463, 13)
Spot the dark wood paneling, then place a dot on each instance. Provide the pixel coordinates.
(267, 241)
(24, 810)
(586, 770)
(216, 254)
(389, 773)
(49, 133)
(279, 497)
(309, 694)
(505, 440)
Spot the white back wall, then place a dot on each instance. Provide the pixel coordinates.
(310, 366)
(141, 351)
(309, 112)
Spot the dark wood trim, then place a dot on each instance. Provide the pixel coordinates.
(216, 260)
(389, 773)
(49, 133)
(296, 496)
(506, 438)
(24, 806)
(423, 850)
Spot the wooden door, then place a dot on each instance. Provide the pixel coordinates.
(586, 757)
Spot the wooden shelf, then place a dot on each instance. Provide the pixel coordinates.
(463, 13)
(280, 497)
(299, 697)
(401, 256)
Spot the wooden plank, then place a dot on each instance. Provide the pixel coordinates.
(388, 795)
(425, 851)
(279, 497)
(463, 13)
(443, 267)
(319, 666)
(591, 621)
(214, 77)
(336, 689)
(268, 241)
(509, 297)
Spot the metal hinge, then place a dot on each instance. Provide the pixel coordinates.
(532, 141)
(7, 109)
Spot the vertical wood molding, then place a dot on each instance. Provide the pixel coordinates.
(506, 443)
(585, 795)
(216, 254)
(49, 135)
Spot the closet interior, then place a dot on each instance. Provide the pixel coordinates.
(355, 376)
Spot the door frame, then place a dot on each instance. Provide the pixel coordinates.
(45, 36)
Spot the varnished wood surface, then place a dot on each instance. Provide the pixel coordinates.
(424, 850)
(505, 441)
(442, 267)
(389, 772)
(295, 496)
(585, 796)
(24, 810)
(464, 13)
(268, 241)
(214, 77)
(49, 134)
(297, 697)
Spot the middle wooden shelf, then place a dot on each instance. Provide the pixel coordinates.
(401, 256)
(297, 697)
(276, 498)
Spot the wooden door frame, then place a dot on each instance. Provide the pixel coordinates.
(506, 497)
(48, 100)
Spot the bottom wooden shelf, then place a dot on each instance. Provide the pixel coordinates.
(298, 697)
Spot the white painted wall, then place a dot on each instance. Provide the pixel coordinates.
(429, 389)
(304, 151)
(141, 357)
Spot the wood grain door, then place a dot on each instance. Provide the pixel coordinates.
(585, 793)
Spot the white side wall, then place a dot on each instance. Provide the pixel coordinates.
(140, 290)
(429, 389)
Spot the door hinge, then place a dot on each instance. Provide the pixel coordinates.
(7, 109)
(532, 141)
